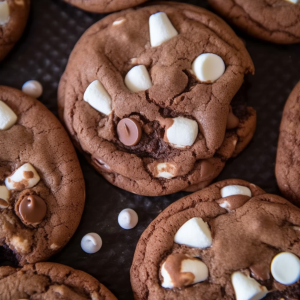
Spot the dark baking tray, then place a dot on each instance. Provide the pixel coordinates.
(42, 54)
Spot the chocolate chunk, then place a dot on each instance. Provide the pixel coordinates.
(129, 132)
(232, 120)
(32, 209)
(260, 272)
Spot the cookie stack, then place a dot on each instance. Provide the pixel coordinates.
(154, 98)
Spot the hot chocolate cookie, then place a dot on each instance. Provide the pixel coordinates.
(41, 184)
(229, 241)
(146, 97)
(104, 6)
(13, 19)
(50, 281)
(288, 152)
(277, 21)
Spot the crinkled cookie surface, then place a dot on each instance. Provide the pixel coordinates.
(43, 210)
(277, 21)
(50, 281)
(119, 42)
(247, 232)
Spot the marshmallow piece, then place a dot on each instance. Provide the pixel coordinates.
(161, 29)
(128, 218)
(4, 12)
(91, 243)
(24, 177)
(230, 190)
(188, 265)
(165, 170)
(293, 1)
(183, 132)
(7, 117)
(194, 233)
(138, 79)
(247, 288)
(33, 88)
(208, 67)
(97, 97)
(285, 268)
(4, 196)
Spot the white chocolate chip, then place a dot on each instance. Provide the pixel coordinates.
(231, 190)
(4, 12)
(161, 29)
(247, 288)
(118, 21)
(194, 233)
(225, 205)
(24, 177)
(183, 132)
(20, 244)
(138, 79)
(197, 267)
(194, 266)
(293, 1)
(7, 117)
(54, 246)
(101, 162)
(208, 67)
(285, 268)
(167, 282)
(33, 88)
(165, 170)
(97, 97)
(128, 218)
(4, 195)
(91, 243)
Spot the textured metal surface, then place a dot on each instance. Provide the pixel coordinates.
(42, 54)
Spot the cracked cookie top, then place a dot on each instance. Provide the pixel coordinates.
(104, 6)
(229, 241)
(50, 281)
(146, 96)
(13, 19)
(42, 189)
(277, 21)
(288, 154)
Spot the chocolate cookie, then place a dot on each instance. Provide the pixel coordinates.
(276, 21)
(229, 241)
(42, 189)
(146, 97)
(288, 153)
(13, 19)
(104, 6)
(50, 281)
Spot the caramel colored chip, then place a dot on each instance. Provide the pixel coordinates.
(129, 132)
(32, 209)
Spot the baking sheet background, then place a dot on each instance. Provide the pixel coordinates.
(42, 54)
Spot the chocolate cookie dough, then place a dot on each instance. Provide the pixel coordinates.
(146, 97)
(50, 281)
(13, 19)
(229, 241)
(104, 6)
(42, 190)
(276, 21)
(288, 151)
